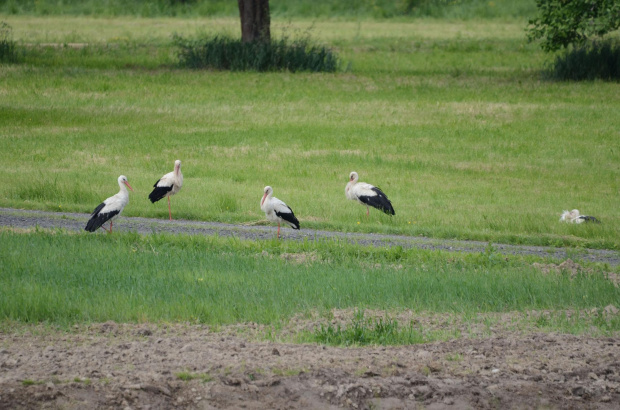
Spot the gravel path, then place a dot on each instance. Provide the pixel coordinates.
(18, 218)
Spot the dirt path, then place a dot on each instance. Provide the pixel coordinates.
(76, 222)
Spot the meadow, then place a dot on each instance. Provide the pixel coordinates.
(453, 119)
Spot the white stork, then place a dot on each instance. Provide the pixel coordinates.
(368, 195)
(277, 211)
(168, 185)
(110, 208)
(576, 218)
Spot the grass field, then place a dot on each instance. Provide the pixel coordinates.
(285, 9)
(65, 278)
(451, 119)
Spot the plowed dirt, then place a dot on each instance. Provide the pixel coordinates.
(114, 366)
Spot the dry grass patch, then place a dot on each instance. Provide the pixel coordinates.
(301, 258)
(502, 111)
(456, 325)
(574, 269)
(51, 29)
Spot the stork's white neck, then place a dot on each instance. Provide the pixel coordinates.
(123, 187)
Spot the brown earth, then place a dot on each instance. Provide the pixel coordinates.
(148, 366)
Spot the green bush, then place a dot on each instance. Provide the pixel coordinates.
(560, 24)
(224, 53)
(8, 51)
(595, 60)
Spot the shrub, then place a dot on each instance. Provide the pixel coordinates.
(595, 60)
(8, 52)
(561, 24)
(224, 53)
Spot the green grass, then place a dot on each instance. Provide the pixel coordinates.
(189, 376)
(279, 8)
(63, 278)
(450, 119)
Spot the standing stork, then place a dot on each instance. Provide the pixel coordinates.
(168, 185)
(110, 208)
(368, 195)
(277, 211)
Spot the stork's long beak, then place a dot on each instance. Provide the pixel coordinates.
(128, 186)
(263, 200)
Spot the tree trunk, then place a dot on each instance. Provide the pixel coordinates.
(255, 20)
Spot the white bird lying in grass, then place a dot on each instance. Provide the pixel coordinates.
(575, 218)
(277, 211)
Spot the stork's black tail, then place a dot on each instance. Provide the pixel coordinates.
(587, 218)
(290, 218)
(379, 201)
(97, 219)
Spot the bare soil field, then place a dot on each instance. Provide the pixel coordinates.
(162, 366)
(146, 366)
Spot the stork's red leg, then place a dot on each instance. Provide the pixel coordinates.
(278, 230)
(107, 230)
(169, 210)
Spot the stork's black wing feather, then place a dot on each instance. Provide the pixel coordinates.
(587, 218)
(379, 201)
(99, 208)
(97, 219)
(159, 192)
(289, 217)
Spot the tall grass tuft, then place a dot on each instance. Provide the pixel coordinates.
(596, 60)
(224, 53)
(8, 51)
(368, 331)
